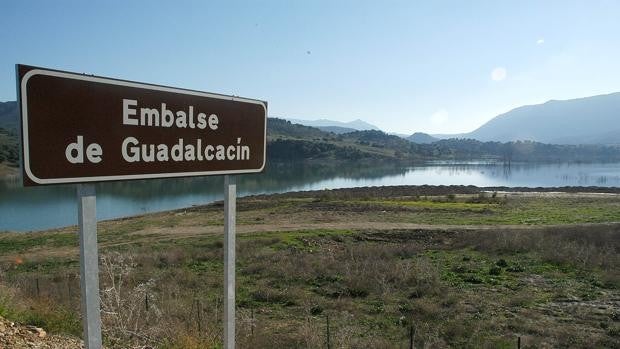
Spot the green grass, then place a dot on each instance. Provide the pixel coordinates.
(295, 239)
(11, 242)
(521, 211)
(449, 210)
(50, 266)
(460, 287)
(433, 205)
(465, 296)
(52, 317)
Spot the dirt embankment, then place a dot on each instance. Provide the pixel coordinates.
(17, 336)
(436, 190)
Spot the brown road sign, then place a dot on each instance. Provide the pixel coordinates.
(80, 128)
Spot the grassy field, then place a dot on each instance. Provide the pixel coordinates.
(464, 269)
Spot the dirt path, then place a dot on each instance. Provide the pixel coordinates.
(553, 194)
(161, 234)
(195, 231)
(152, 235)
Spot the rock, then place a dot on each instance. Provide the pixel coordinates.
(39, 332)
(14, 335)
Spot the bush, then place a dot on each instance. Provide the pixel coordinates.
(495, 270)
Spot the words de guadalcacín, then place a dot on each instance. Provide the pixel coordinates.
(134, 151)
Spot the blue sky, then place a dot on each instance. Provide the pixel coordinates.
(405, 66)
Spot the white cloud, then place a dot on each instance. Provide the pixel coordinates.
(540, 41)
(439, 117)
(499, 74)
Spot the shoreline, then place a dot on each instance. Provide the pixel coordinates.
(435, 190)
(419, 192)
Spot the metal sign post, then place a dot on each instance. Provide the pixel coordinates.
(89, 265)
(230, 198)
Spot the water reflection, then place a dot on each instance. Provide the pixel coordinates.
(54, 206)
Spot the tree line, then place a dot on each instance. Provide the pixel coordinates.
(376, 145)
(450, 149)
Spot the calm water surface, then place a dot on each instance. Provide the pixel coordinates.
(25, 209)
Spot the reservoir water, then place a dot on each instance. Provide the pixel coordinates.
(27, 209)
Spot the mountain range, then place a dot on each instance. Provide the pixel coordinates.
(422, 138)
(588, 120)
(337, 127)
(290, 142)
(294, 142)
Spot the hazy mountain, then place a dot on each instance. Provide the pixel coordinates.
(9, 119)
(337, 129)
(288, 141)
(589, 120)
(448, 135)
(401, 135)
(422, 138)
(280, 128)
(358, 124)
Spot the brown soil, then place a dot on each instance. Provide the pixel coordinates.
(434, 190)
(16, 336)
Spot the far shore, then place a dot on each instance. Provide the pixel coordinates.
(411, 205)
(7, 171)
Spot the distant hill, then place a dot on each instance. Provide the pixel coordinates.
(589, 120)
(312, 143)
(401, 135)
(9, 150)
(377, 139)
(9, 120)
(337, 129)
(422, 138)
(280, 128)
(288, 141)
(527, 151)
(449, 135)
(358, 124)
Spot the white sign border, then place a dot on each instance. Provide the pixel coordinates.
(110, 81)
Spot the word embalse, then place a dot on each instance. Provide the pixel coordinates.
(152, 117)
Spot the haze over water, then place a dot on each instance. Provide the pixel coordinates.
(26, 209)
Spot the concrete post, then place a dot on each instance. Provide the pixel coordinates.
(89, 265)
(230, 211)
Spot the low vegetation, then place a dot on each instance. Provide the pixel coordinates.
(452, 268)
(9, 152)
(296, 142)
